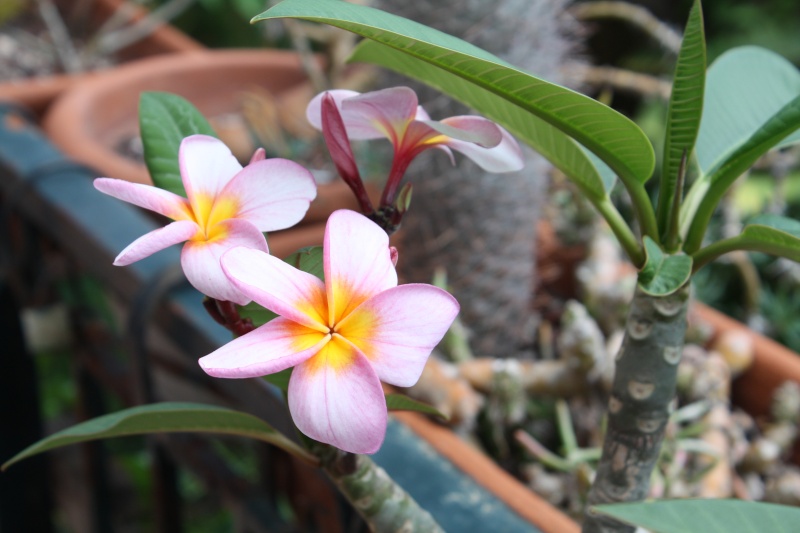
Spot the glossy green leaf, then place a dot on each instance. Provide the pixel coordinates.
(576, 162)
(751, 105)
(705, 516)
(685, 110)
(165, 120)
(614, 138)
(401, 402)
(745, 88)
(663, 274)
(308, 259)
(167, 417)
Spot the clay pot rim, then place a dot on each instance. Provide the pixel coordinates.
(66, 122)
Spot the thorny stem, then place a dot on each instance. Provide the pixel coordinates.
(644, 388)
(385, 506)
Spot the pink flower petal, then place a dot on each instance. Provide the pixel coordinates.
(398, 328)
(271, 194)
(156, 240)
(314, 108)
(201, 259)
(279, 287)
(207, 165)
(477, 130)
(357, 262)
(505, 157)
(277, 345)
(384, 113)
(336, 398)
(162, 202)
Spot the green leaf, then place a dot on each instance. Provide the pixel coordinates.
(256, 313)
(401, 402)
(705, 516)
(685, 110)
(745, 88)
(165, 120)
(280, 379)
(751, 105)
(167, 417)
(614, 138)
(773, 234)
(663, 274)
(575, 161)
(308, 259)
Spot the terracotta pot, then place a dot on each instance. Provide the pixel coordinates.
(98, 114)
(37, 93)
(773, 364)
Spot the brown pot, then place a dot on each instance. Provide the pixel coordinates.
(37, 93)
(91, 120)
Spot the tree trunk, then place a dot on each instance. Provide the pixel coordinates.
(480, 227)
(639, 406)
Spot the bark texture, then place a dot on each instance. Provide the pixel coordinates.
(383, 504)
(480, 227)
(639, 406)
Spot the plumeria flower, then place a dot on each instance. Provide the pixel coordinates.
(227, 206)
(396, 115)
(343, 336)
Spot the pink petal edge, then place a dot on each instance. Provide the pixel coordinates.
(268, 349)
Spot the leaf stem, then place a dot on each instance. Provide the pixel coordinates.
(705, 255)
(621, 230)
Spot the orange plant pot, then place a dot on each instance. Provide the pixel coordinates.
(91, 120)
(37, 93)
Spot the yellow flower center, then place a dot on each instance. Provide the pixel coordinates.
(209, 212)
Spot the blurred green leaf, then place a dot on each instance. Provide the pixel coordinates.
(308, 259)
(751, 105)
(705, 516)
(663, 274)
(167, 417)
(280, 379)
(165, 120)
(683, 116)
(773, 234)
(401, 402)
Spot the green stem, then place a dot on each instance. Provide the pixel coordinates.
(644, 211)
(705, 255)
(644, 387)
(383, 504)
(621, 230)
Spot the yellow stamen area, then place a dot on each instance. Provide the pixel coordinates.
(359, 327)
(345, 299)
(337, 355)
(304, 337)
(209, 212)
(316, 307)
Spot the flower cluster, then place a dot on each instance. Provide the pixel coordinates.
(343, 335)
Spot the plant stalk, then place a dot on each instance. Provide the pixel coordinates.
(644, 388)
(383, 504)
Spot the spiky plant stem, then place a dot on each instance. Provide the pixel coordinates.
(383, 504)
(639, 406)
(480, 227)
